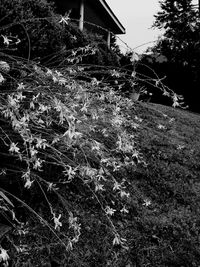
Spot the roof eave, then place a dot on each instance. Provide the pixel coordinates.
(113, 17)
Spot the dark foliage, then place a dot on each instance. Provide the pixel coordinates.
(44, 38)
(180, 47)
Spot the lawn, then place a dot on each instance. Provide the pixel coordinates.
(166, 229)
(90, 178)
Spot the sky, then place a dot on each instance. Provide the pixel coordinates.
(137, 17)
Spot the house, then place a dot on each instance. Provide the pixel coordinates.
(95, 12)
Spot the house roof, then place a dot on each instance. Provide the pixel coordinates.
(114, 24)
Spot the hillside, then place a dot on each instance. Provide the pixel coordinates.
(89, 178)
(166, 229)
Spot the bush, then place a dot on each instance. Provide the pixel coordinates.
(34, 24)
(76, 189)
(58, 168)
(43, 37)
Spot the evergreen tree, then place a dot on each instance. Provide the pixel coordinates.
(181, 38)
(180, 44)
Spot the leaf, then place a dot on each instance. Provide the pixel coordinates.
(5, 198)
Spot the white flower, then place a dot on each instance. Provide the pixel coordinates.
(62, 81)
(20, 96)
(161, 127)
(72, 220)
(96, 146)
(2, 79)
(38, 164)
(165, 93)
(146, 203)
(117, 120)
(134, 57)
(84, 108)
(55, 140)
(40, 121)
(105, 132)
(138, 119)
(20, 86)
(124, 210)
(57, 222)
(180, 147)
(95, 81)
(69, 246)
(49, 72)
(115, 73)
(74, 53)
(95, 116)
(4, 257)
(12, 101)
(135, 125)
(43, 108)
(51, 187)
(3, 172)
(74, 38)
(124, 194)
(41, 143)
(58, 73)
(135, 154)
(26, 175)
(116, 240)
(33, 151)
(6, 40)
(55, 79)
(109, 211)
(116, 186)
(28, 183)
(70, 172)
(133, 74)
(99, 187)
(32, 105)
(65, 19)
(119, 142)
(21, 248)
(13, 148)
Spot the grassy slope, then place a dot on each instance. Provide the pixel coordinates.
(163, 224)
(166, 231)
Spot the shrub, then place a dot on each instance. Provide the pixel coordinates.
(44, 37)
(75, 188)
(34, 23)
(51, 147)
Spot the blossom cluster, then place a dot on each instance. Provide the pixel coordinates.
(55, 120)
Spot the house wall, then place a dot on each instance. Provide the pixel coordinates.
(91, 13)
(64, 6)
(94, 12)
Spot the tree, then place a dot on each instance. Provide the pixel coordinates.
(180, 44)
(179, 20)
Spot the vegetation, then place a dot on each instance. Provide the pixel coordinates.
(47, 37)
(178, 49)
(89, 177)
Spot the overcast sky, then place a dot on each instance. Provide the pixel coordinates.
(137, 17)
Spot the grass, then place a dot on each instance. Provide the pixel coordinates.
(89, 177)
(96, 179)
(166, 231)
